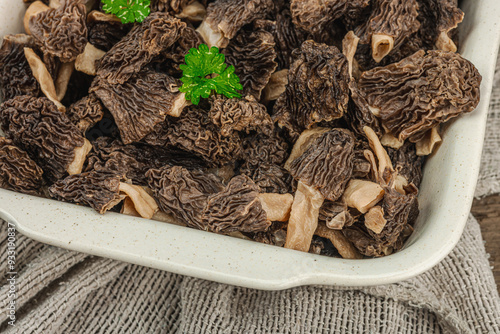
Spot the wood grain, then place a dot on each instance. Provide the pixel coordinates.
(487, 212)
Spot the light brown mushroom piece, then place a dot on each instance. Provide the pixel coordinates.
(382, 44)
(43, 77)
(99, 16)
(75, 167)
(35, 8)
(276, 86)
(303, 217)
(389, 140)
(194, 12)
(362, 195)
(85, 62)
(428, 143)
(63, 75)
(349, 47)
(128, 208)
(143, 203)
(339, 241)
(276, 206)
(374, 219)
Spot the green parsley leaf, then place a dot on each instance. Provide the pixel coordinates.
(206, 71)
(128, 10)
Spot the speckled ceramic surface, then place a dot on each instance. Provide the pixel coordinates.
(445, 199)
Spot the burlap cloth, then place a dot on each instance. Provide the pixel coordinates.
(61, 291)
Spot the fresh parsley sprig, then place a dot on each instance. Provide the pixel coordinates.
(206, 71)
(128, 10)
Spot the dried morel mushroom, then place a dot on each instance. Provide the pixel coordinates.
(194, 132)
(448, 18)
(421, 91)
(99, 190)
(134, 160)
(145, 41)
(240, 115)
(271, 178)
(35, 125)
(17, 171)
(140, 103)
(390, 23)
(407, 162)
(86, 112)
(314, 15)
(171, 6)
(62, 31)
(225, 18)
(173, 56)
(260, 148)
(15, 76)
(236, 208)
(324, 162)
(253, 56)
(183, 193)
(105, 30)
(317, 87)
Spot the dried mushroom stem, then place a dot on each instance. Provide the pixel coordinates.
(85, 62)
(43, 77)
(345, 248)
(98, 16)
(349, 47)
(337, 222)
(303, 217)
(374, 219)
(75, 167)
(178, 105)
(63, 76)
(382, 44)
(445, 43)
(276, 86)
(129, 209)
(211, 37)
(426, 145)
(384, 162)
(35, 8)
(144, 204)
(194, 12)
(276, 206)
(362, 194)
(391, 141)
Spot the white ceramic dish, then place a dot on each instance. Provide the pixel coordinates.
(445, 199)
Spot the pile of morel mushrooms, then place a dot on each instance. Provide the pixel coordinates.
(342, 100)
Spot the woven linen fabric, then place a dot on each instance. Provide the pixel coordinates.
(60, 291)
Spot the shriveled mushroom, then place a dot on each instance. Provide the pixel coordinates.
(447, 86)
(17, 171)
(75, 167)
(276, 86)
(105, 30)
(33, 9)
(16, 77)
(303, 217)
(85, 62)
(140, 103)
(349, 47)
(225, 17)
(43, 77)
(194, 12)
(317, 87)
(61, 31)
(101, 191)
(241, 115)
(36, 125)
(449, 16)
(129, 208)
(339, 241)
(391, 141)
(157, 33)
(86, 112)
(335, 215)
(253, 55)
(270, 177)
(362, 194)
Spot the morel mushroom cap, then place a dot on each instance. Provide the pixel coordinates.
(335, 215)
(144, 42)
(270, 177)
(407, 162)
(99, 190)
(421, 91)
(253, 56)
(86, 112)
(17, 171)
(169, 6)
(174, 55)
(276, 86)
(62, 31)
(194, 132)
(317, 87)
(140, 103)
(225, 17)
(240, 115)
(339, 241)
(261, 148)
(105, 30)
(16, 77)
(315, 15)
(50, 138)
(449, 16)
(326, 163)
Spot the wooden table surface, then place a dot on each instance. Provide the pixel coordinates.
(487, 212)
